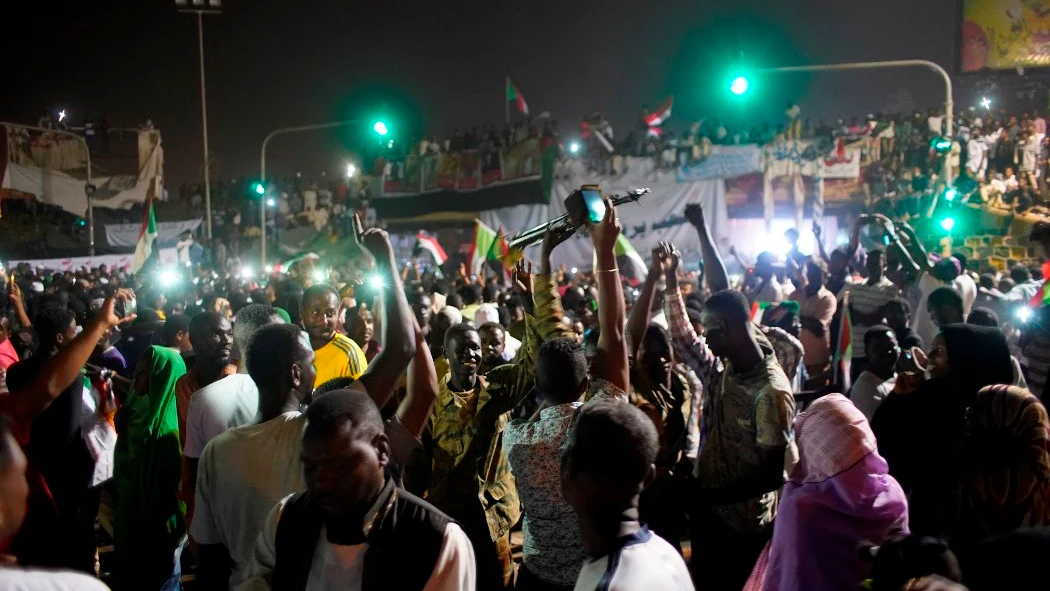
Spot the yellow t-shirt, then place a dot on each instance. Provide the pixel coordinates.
(340, 357)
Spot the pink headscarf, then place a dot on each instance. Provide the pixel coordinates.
(838, 495)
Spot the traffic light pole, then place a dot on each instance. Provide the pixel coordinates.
(262, 171)
(89, 189)
(948, 104)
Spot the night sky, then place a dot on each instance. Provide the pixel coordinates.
(441, 65)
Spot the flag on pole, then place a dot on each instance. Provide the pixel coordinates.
(657, 117)
(147, 235)
(484, 238)
(843, 356)
(429, 243)
(514, 96)
(502, 253)
(630, 262)
(631, 265)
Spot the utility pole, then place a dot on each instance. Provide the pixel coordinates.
(201, 8)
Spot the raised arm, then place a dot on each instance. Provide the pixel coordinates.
(689, 347)
(34, 397)
(638, 320)
(918, 253)
(15, 295)
(714, 266)
(611, 363)
(818, 233)
(422, 387)
(399, 345)
(909, 263)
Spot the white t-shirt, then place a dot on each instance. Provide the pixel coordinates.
(643, 563)
(242, 474)
(921, 322)
(1029, 154)
(337, 566)
(869, 391)
(230, 402)
(27, 579)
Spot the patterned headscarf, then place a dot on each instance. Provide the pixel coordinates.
(1006, 479)
(838, 495)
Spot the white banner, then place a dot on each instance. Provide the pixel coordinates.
(786, 158)
(724, 162)
(168, 256)
(127, 235)
(658, 216)
(55, 187)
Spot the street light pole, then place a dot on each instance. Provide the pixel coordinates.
(262, 170)
(214, 7)
(948, 104)
(89, 188)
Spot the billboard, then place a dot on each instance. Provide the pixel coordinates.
(1005, 34)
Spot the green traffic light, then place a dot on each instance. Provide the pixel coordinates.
(941, 144)
(259, 188)
(380, 128)
(739, 85)
(947, 224)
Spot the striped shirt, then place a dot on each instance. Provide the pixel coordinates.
(867, 299)
(339, 358)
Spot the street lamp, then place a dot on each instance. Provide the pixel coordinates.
(351, 170)
(200, 8)
(986, 103)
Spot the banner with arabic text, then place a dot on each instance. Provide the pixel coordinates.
(723, 162)
(168, 256)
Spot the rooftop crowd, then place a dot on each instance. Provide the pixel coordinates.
(683, 432)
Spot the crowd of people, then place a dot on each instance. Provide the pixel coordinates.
(314, 432)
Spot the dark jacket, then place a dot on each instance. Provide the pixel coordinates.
(404, 534)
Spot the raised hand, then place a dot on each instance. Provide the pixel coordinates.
(108, 313)
(523, 277)
(377, 242)
(659, 264)
(605, 233)
(14, 292)
(694, 212)
(673, 257)
(551, 239)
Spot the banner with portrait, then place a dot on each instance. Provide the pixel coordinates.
(1005, 34)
